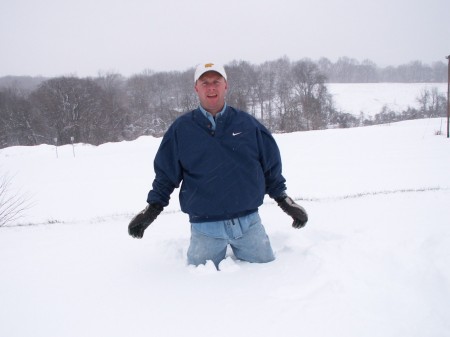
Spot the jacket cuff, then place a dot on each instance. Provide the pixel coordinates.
(281, 197)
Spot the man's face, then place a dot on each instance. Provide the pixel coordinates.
(211, 89)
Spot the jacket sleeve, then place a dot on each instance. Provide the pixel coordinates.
(168, 173)
(270, 159)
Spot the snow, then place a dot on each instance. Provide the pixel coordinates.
(372, 261)
(370, 98)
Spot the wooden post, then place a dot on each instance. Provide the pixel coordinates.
(448, 97)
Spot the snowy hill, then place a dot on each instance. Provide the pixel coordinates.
(372, 261)
(370, 98)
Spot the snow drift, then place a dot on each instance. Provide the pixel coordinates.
(372, 261)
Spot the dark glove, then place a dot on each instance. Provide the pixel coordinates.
(141, 221)
(297, 212)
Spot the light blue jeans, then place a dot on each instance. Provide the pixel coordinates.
(245, 235)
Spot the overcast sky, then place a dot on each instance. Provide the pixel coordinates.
(82, 37)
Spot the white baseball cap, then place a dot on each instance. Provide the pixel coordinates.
(205, 67)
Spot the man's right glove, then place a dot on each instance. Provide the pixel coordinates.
(141, 221)
(294, 210)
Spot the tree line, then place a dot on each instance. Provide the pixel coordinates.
(348, 70)
(285, 95)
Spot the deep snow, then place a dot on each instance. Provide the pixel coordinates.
(373, 260)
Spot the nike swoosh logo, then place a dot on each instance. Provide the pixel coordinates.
(237, 133)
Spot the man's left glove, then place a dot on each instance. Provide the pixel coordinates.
(294, 210)
(141, 221)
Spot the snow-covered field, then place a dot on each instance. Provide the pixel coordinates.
(374, 259)
(370, 98)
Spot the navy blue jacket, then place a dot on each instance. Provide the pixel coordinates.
(224, 173)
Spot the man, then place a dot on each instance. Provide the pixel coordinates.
(226, 161)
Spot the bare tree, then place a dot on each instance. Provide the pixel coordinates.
(114, 103)
(147, 104)
(17, 122)
(242, 77)
(345, 69)
(311, 100)
(283, 89)
(12, 204)
(73, 107)
(187, 99)
(431, 103)
(265, 92)
(367, 72)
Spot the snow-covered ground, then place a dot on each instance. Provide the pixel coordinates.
(374, 259)
(370, 98)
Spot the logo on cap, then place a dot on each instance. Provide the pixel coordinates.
(209, 65)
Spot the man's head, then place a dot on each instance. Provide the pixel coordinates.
(211, 86)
